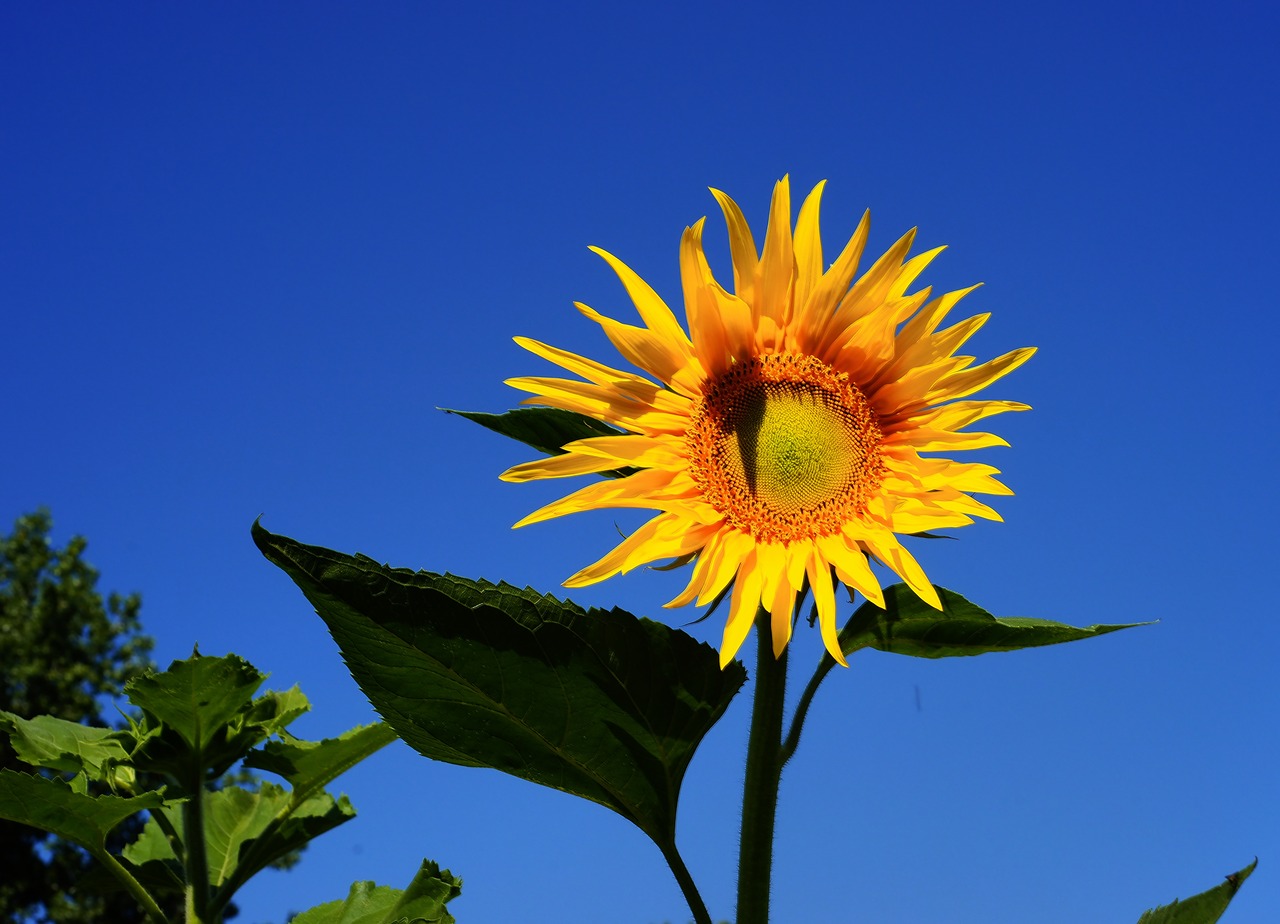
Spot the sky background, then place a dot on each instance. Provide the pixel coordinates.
(246, 253)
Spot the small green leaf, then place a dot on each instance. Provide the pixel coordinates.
(191, 711)
(309, 765)
(1205, 908)
(910, 626)
(52, 805)
(367, 903)
(546, 429)
(599, 704)
(69, 747)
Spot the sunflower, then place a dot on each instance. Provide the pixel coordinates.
(782, 441)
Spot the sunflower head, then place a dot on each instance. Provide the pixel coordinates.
(781, 436)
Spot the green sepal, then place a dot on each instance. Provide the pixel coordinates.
(596, 703)
(423, 901)
(909, 626)
(1205, 908)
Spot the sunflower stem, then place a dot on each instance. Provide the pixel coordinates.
(687, 885)
(764, 773)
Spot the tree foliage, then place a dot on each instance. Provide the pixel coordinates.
(67, 651)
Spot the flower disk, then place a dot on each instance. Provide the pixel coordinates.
(785, 448)
(782, 442)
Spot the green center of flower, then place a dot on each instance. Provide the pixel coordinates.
(785, 448)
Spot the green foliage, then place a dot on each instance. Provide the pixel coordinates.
(600, 704)
(66, 651)
(907, 625)
(201, 842)
(1205, 908)
(366, 903)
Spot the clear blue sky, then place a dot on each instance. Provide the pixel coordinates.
(246, 252)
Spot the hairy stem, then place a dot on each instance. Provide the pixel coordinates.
(764, 773)
(197, 864)
(687, 885)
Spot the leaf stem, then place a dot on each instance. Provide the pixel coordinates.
(764, 773)
(802, 708)
(687, 885)
(132, 885)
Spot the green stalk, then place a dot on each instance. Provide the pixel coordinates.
(687, 886)
(764, 773)
(197, 904)
(135, 888)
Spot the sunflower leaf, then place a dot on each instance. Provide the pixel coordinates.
(600, 704)
(1205, 908)
(546, 429)
(53, 805)
(309, 765)
(58, 744)
(367, 903)
(910, 626)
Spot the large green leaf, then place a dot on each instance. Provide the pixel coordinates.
(367, 903)
(599, 704)
(1205, 908)
(907, 625)
(309, 765)
(52, 805)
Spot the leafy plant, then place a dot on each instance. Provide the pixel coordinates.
(599, 704)
(67, 650)
(200, 842)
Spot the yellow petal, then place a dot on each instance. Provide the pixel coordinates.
(657, 316)
(668, 361)
(962, 384)
(889, 551)
(661, 538)
(742, 247)
(808, 247)
(824, 599)
(851, 567)
(772, 298)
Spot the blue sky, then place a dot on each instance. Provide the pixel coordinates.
(246, 253)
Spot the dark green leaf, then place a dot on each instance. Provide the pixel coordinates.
(546, 429)
(599, 704)
(1205, 908)
(309, 765)
(52, 805)
(367, 903)
(910, 626)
